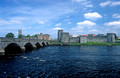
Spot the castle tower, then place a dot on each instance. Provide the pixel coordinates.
(111, 37)
(65, 39)
(60, 35)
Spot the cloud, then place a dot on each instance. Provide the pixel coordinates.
(83, 25)
(41, 22)
(84, 3)
(116, 16)
(5, 22)
(115, 3)
(57, 28)
(69, 22)
(114, 23)
(59, 24)
(94, 30)
(78, 0)
(89, 5)
(86, 23)
(110, 3)
(92, 16)
(105, 3)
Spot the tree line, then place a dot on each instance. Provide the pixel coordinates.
(20, 36)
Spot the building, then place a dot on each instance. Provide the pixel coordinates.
(44, 36)
(60, 34)
(40, 36)
(84, 35)
(74, 35)
(19, 31)
(64, 37)
(92, 35)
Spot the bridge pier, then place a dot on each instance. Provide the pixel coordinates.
(2, 52)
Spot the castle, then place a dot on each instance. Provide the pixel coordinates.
(65, 38)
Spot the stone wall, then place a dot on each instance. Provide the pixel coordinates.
(65, 38)
(97, 39)
(111, 37)
(74, 40)
(83, 39)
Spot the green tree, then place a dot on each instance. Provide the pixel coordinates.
(36, 36)
(20, 36)
(28, 36)
(10, 35)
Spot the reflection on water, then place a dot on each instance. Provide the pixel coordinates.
(64, 61)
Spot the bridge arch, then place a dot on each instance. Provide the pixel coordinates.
(38, 45)
(28, 47)
(43, 44)
(47, 43)
(12, 49)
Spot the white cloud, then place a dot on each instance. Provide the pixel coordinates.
(83, 25)
(41, 22)
(86, 23)
(116, 15)
(110, 3)
(115, 3)
(84, 3)
(89, 5)
(57, 28)
(59, 24)
(69, 22)
(94, 30)
(92, 16)
(78, 0)
(5, 22)
(114, 23)
(105, 3)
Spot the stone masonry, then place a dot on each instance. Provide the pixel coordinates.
(64, 37)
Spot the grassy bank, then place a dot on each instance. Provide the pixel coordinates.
(96, 43)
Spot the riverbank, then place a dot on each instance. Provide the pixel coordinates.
(88, 43)
(97, 44)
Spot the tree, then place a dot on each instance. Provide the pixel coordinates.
(28, 36)
(10, 35)
(20, 36)
(35, 36)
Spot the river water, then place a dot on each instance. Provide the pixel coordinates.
(64, 61)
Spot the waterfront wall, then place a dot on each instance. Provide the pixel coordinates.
(97, 39)
(65, 38)
(83, 39)
(74, 40)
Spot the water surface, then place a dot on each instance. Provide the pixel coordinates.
(64, 61)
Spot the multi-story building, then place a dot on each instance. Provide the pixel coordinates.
(44, 36)
(40, 36)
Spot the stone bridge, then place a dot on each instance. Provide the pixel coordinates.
(18, 45)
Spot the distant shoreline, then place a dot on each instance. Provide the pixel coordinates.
(88, 44)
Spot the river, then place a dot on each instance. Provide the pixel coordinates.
(64, 61)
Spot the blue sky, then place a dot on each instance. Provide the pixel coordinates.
(47, 16)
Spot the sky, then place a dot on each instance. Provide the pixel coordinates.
(48, 16)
